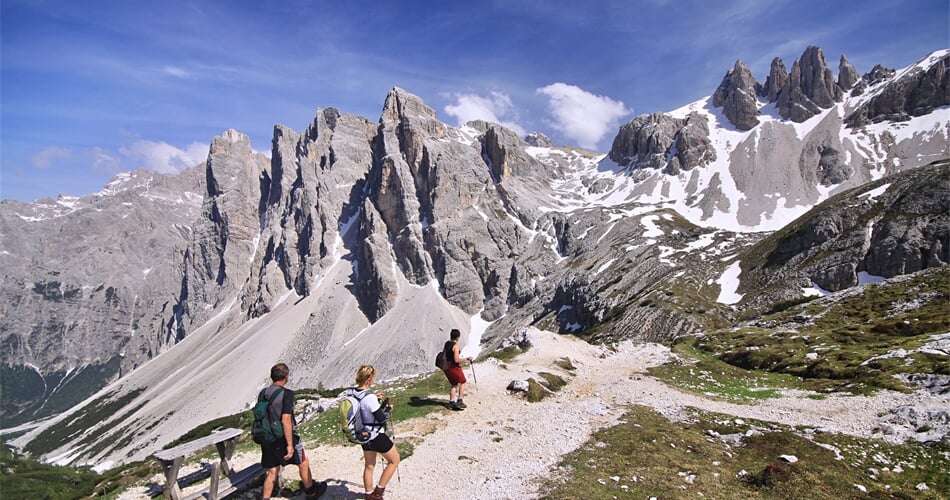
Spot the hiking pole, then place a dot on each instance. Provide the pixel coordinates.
(391, 424)
(474, 378)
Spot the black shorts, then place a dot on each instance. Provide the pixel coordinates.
(381, 443)
(272, 454)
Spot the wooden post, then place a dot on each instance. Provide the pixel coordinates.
(225, 451)
(215, 479)
(170, 467)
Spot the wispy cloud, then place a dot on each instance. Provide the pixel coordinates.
(175, 71)
(495, 108)
(580, 115)
(162, 157)
(49, 156)
(104, 161)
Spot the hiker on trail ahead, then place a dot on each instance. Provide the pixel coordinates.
(453, 370)
(289, 449)
(375, 414)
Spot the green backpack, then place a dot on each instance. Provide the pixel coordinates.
(264, 430)
(351, 420)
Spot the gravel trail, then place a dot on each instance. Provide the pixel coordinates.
(501, 446)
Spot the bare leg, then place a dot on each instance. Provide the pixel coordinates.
(452, 392)
(305, 475)
(369, 463)
(269, 482)
(392, 459)
(462, 390)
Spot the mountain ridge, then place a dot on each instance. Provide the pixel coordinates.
(351, 229)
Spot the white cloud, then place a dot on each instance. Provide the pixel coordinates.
(496, 108)
(48, 156)
(103, 161)
(580, 115)
(162, 157)
(175, 71)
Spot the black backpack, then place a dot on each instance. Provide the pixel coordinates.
(264, 430)
(442, 359)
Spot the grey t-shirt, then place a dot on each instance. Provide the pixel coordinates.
(283, 404)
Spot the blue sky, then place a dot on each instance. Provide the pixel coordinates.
(92, 88)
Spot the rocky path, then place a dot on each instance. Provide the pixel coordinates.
(501, 446)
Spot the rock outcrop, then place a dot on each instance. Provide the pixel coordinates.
(887, 228)
(847, 74)
(659, 141)
(809, 89)
(916, 93)
(225, 236)
(538, 139)
(736, 96)
(776, 81)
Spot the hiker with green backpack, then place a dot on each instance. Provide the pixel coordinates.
(273, 429)
(363, 419)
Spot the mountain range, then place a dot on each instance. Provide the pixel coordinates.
(131, 315)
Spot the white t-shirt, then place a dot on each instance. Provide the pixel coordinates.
(368, 404)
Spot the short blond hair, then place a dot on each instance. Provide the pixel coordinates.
(364, 373)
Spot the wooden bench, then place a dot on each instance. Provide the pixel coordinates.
(225, 441)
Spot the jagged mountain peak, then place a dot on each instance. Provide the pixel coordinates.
(737, 96)
(402, 104)
(761, 166)
(847, 74)
(361, 240)
(538, 139)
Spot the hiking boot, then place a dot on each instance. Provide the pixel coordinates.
(461, 405)
(378, 493)
(455, 406)
(316, 490)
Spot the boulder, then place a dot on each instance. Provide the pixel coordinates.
(518, 386)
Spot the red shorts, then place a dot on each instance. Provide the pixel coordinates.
(455, 375)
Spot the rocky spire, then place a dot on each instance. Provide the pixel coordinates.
(818, 80)
(539, 140)
(847, 74)
(810, 87)
(736, 97)
(778, 76)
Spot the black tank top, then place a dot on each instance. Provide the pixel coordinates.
(449, 355)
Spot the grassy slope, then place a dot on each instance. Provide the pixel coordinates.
(648, 456)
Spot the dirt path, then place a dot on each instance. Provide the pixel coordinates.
(501, 445)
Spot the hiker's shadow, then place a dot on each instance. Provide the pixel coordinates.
(416, 401)
(339, 488)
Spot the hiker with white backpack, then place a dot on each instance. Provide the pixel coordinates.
(373, 414)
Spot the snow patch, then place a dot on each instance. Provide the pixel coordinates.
(477, 329)
(874, 193)
(728, 284)
(604, 266)
(815, 291)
